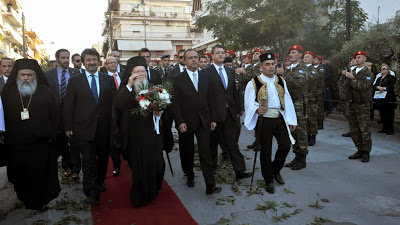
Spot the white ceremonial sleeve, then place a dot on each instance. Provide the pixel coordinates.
(250, 107)
(2, 124)
(290, 112)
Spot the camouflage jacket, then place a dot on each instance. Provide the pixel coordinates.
(320, 74)
(312, 84)
(251, 72)
(161, 71)
(297, 84)
(360, 88)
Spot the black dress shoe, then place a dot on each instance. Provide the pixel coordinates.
(270, 188)
(102, 187)
(365, 157)
(382, 131)
(213, 189)
(190, 182)
(279, 178)
(357, 155)
(348, 134)
(91, 201)
(252, 146)
(242, 175)
(116, 171)
(42, 208)
(300, 163)
(311, 140)
(292, 162)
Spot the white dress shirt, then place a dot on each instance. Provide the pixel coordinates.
(117, 77)
(191, 76)
(223, 73)
(2, 124)
(96, 76)
(181, 68)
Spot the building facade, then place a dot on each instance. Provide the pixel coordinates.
(11, 44)
(164, 27)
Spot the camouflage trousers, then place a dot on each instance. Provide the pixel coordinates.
(300, 133)
(312, 118)
(359, 123)
(320, 105)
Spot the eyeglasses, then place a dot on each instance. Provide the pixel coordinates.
(181, 57)
(383, 68)
(78, 60)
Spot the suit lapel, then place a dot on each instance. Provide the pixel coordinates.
(188, 80)
(86, 86)
(102, 84)
(218, 77)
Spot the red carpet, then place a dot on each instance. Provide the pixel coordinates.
(116, 209)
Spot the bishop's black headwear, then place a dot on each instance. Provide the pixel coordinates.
(21, 64)
(132, 63)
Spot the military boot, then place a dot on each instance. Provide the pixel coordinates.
(365, 157)
(311, 140)
(300, 164)
(320, 126)
(357, 155)
(293, 161)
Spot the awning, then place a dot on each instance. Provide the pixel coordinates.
(133, 45)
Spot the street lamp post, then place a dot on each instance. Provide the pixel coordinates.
(136, 5)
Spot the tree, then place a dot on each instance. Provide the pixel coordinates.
(256, 23)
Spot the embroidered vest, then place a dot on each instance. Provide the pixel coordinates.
(262, 91)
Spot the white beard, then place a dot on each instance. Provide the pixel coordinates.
(139, 85)
(26, 88)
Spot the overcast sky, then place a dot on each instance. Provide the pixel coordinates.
(77, 24)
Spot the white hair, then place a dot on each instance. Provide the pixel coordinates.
(27, 88)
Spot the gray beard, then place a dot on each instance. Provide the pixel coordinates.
(25, 88)
(140, 84)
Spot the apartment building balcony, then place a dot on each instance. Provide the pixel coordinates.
(151, 15)
(13, 36)
(14, 17)
(167, 35)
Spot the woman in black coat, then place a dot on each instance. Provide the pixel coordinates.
(387, 105)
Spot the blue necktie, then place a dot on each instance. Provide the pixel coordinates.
(93, 86)
(63, 87)
(222, 76)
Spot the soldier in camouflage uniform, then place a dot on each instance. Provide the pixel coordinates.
(359, 85)
(312, 109)
(164, 67)
(297, 82)
(320, 91)
(251, 72)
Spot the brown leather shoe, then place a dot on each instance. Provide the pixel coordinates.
(213, 189)
(67, 172)
(75, 176)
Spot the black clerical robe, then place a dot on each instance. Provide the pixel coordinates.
(32, 158)
(142, 147)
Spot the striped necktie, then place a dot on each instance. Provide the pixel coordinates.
(63, 87)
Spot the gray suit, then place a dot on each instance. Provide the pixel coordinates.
(70, 158)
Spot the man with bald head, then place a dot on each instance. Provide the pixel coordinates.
(120, 68)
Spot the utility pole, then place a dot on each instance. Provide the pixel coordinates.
(23, 35)
(144, 22)
(348, 16)
(379, 8)
(110, 27)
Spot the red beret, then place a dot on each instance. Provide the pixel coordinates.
(295, 47)
(320, 57)
(209, 54)
(248, 56)
(231, 52)
(176, 55)
(288, 58)
(258, 50)
(276, 55)
(310, 52)
(359, 53)
(156, 61)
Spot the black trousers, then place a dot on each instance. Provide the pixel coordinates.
(95, 155)
(116, 157)
(70, 158)
(227, 130)
(273, 127)
(386, 111)
(167, 119)
(186, 151)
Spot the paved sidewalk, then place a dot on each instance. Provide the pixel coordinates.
(332, 187)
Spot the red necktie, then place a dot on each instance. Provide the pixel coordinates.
(116, 81)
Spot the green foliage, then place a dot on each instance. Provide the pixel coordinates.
(223, 220)
(319, 221)
(287, 191)
(222, 201)
(267, 205)
(316, 205)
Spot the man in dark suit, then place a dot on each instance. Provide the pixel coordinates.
(227, 110)
(6, 65)
(58, 81)
(111, 63)
(87, 116)
(120, 68)
(153, 76)
(181, 65)
(193, 116)
(76, 61)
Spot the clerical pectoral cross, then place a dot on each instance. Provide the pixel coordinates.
(25, 114)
